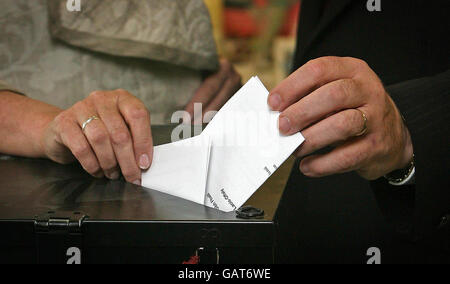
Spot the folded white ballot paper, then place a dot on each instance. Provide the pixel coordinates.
(236, 153)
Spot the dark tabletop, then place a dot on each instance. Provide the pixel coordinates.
(30, 187)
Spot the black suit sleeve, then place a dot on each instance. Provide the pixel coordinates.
(425, 105)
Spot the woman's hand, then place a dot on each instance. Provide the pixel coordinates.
(119, 141)
(341, 102)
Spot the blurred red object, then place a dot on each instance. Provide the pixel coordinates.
(290, 24)
(239, 22)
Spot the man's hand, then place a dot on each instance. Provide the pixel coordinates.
(215, 90)
(119, 141)
(326, 99)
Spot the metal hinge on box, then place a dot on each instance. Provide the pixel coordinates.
(59, 221)
(59, 236)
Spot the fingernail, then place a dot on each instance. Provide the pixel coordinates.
(137, 182)
(144, 162)
(304, 168)
(284, 124)
(274, 101)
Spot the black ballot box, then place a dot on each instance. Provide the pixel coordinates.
(51, 213)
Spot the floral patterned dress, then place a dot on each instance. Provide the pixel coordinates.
(154, 49)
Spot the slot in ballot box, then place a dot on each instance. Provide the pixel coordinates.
(51, 213)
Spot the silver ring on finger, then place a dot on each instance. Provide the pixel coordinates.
(89, 120)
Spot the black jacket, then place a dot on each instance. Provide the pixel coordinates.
(407, 44)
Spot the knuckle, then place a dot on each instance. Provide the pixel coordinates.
(123, 92)
(343, 123)
(138, 113)
(310, 145)
(226, 66)
(62, 121)
(65, 127)
(342, 129)
(341, 91)
(349, 123)
(60, 117)
(120, 137)
(316, 67)
(78, 106)
(144, 143)
(300, 119)
(98, 136)
(336, 94)
(346, 86)
(97, 95)
(361, 62)
(80, 151)
(355, 122)
(379, 91)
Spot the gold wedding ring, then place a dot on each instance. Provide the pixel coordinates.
(364, 130)
(89, 120)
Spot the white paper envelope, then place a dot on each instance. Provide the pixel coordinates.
(236, 153)
(247, 147)
(180, 168)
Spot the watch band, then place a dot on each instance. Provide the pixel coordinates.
(403, 176)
